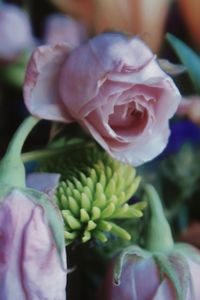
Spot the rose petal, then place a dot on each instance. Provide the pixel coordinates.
(165, 291)
(40, 255)
(40, 87)
(30, 267)
(43, 182)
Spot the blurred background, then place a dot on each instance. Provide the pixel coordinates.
(24, 25)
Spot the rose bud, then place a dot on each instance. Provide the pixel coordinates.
(163, 270)
(61, 28)
(32, 249)
(15, 32)
(112, 86)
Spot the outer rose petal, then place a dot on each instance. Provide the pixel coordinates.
(40, 86)
(165, 291)
(40, 255)
(27, 250)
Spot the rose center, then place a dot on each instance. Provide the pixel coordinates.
(128, 118)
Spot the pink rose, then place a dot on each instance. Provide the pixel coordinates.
(112, 86)
(30, 266)
(15, 32)
(144, 279)
(61, 28)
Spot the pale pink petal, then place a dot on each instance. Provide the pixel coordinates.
(145, 285)
(43, 182)
(40, 255)
(141, 152)
(165, 291)
(194, 290)
(28, 256)
(40, 86)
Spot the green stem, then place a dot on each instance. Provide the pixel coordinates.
(12, 170)
(159, 235)
(40, 155)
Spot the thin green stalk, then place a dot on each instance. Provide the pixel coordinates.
(12, 170)
(15, 146)
(40, 155)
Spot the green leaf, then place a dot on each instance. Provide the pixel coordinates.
(189, 58)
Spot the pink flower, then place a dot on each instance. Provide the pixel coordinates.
(144, 279)
(15, 32)
(190, 108)
(112, 86)
(30, 265)
(61, 28)
(43, 182)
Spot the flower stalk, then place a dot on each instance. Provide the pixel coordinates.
(11, 166)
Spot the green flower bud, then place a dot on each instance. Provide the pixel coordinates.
(93, 194)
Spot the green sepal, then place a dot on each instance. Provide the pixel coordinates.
(188, 57)
(175, 266)
(127, 253)
(5, 189)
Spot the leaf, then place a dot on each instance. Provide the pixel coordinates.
(189, 58)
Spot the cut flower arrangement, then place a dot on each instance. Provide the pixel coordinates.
(86, 224)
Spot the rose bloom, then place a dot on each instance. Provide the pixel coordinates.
(143, 279)
(30, 265)
(15, 32)
(112, 86)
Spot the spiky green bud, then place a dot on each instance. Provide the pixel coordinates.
(93, 194)
(92, 201)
